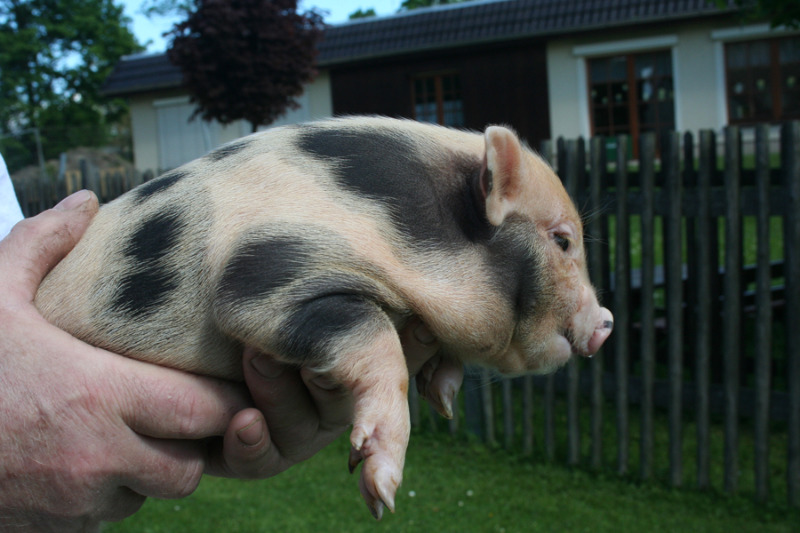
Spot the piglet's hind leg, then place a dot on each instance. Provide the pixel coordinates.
(378, 377)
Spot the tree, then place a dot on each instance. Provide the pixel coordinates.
(362, 14)
(246, 59)
(55, 56)
(408, 5)
(777, 12)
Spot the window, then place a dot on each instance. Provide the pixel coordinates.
(437, 99)
(631, 94)
(763, 80)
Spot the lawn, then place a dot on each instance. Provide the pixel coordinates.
(455, 485)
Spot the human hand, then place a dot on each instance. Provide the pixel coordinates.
(86, 435)
(304, 411)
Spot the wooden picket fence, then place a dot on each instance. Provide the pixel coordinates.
(696, 250)
(36, 195)
(704, 345)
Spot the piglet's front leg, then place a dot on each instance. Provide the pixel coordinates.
(377, 376)
(332, 325)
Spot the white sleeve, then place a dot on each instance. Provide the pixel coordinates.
(10, 212)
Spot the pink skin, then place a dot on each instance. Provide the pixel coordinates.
(591, 325)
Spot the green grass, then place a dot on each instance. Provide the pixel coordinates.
(453, 484)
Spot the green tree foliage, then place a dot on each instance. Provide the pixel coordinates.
(54, 58)
(408, 5)
(777, 12)
(166, 7)
(246, 59)
(362, 14)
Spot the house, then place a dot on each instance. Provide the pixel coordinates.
(549, 68)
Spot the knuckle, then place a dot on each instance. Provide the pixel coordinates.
(124, 505)
(187, 482)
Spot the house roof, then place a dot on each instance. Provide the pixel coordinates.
(494, 20)
(450, 25)
(142, 73)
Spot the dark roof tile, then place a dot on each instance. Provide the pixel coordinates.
(449, 25)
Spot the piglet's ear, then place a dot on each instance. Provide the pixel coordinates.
(500, 181)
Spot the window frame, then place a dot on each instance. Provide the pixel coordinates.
(438, 78)
(633, 104)
(777, 114)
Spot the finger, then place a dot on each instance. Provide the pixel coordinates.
(35, 245)
(165, 403)
(122, 503)
(303, 411)
(333, 401)
(419, 345)
(280, 394)
(159, 468)
(247, 450)
(301, 415)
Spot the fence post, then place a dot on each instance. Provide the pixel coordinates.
(702, 312)
(488, 407)
(527, 415)
(763, 321)
(790, 163)
(648, 308)
(473, 412)
(549, 386)
(508, 414)
(621, 305)
(732, 294)
(573, 166)
(595, 250)
(673, 271)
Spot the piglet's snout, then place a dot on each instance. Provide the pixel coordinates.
(601, 332)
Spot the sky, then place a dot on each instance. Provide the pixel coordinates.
(151, 29)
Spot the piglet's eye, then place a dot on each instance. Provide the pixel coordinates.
(562, 242)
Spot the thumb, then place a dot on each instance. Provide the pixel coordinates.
(35, 245)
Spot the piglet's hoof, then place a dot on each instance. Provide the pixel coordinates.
(381, 475)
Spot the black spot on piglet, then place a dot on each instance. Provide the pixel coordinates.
(151, 279)
(386, 166)
(162, 183)
(228, 150)
(260, 267)
(310, 329)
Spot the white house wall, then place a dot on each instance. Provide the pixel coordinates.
(698, 70)
(144, 127)
(164, 138)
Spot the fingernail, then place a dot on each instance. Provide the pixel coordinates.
(74, 201)
(267, 367)
(252, 434)
(424, 335)
(325, 382)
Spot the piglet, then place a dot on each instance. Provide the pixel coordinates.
(316, 243)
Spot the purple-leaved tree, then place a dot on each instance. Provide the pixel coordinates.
(246, 59)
